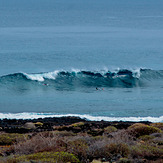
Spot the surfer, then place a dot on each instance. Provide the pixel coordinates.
(99, 89)
(46, 84)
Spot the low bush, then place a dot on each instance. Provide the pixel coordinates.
(118, 149)
(158, 125)
(147, 151)
(10, 138)
(109, 130)
(107, 150)
(97, 149)
(40, 143)
(146, 137)
(78, 124)
(38, 124)
(124, 160)
(122, 136)
(52, 134)
(51, 157)
(96, 138)
(139, 129)
(64, 133)
(78, 147)
(96, 132)
(75, 127)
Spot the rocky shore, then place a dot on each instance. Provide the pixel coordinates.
(48, 124)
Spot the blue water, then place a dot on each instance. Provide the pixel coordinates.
(90, 58)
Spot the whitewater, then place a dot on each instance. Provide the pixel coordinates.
(99, 60)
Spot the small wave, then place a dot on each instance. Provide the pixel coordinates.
(85, 78)
(33, 115)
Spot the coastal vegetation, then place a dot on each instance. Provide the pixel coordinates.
(84, 142)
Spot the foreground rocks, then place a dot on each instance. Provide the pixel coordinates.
(72, 139)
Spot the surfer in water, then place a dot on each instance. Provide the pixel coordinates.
(99, 89)
(46, 84)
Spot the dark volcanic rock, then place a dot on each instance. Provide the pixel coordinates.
(17, 125)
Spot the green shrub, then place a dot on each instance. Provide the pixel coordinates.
(8, 138)
(78, 147)
(95, 132)
(146, 137)
(64, 133)
(49, 157)
(139, 129)
(110, 129)
(109, 151)
(124, 160)
(38, 124)
(116, 149)
(158, 125)
(147, 151)
(78, 124)
(69, 127)
(97, 138)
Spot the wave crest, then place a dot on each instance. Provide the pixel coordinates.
(80, 78)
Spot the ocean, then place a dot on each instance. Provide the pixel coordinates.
(96, 59)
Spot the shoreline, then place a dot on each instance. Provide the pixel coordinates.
(42, 115)
(49, 124)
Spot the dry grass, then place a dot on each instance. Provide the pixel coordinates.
(119, 146)
(40, 143)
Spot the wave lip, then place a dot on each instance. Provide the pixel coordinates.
(42, 76)
(34, 115)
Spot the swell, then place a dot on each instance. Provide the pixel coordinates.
(81, 78)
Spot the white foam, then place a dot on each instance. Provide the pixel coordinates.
(75, 70)
(33, 115)
(41, 77)
(136, 72)
(37, 77)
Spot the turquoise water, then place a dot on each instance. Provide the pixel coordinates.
(97, 59)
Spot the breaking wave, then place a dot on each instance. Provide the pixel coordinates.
(82, 78)
(33, 115)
